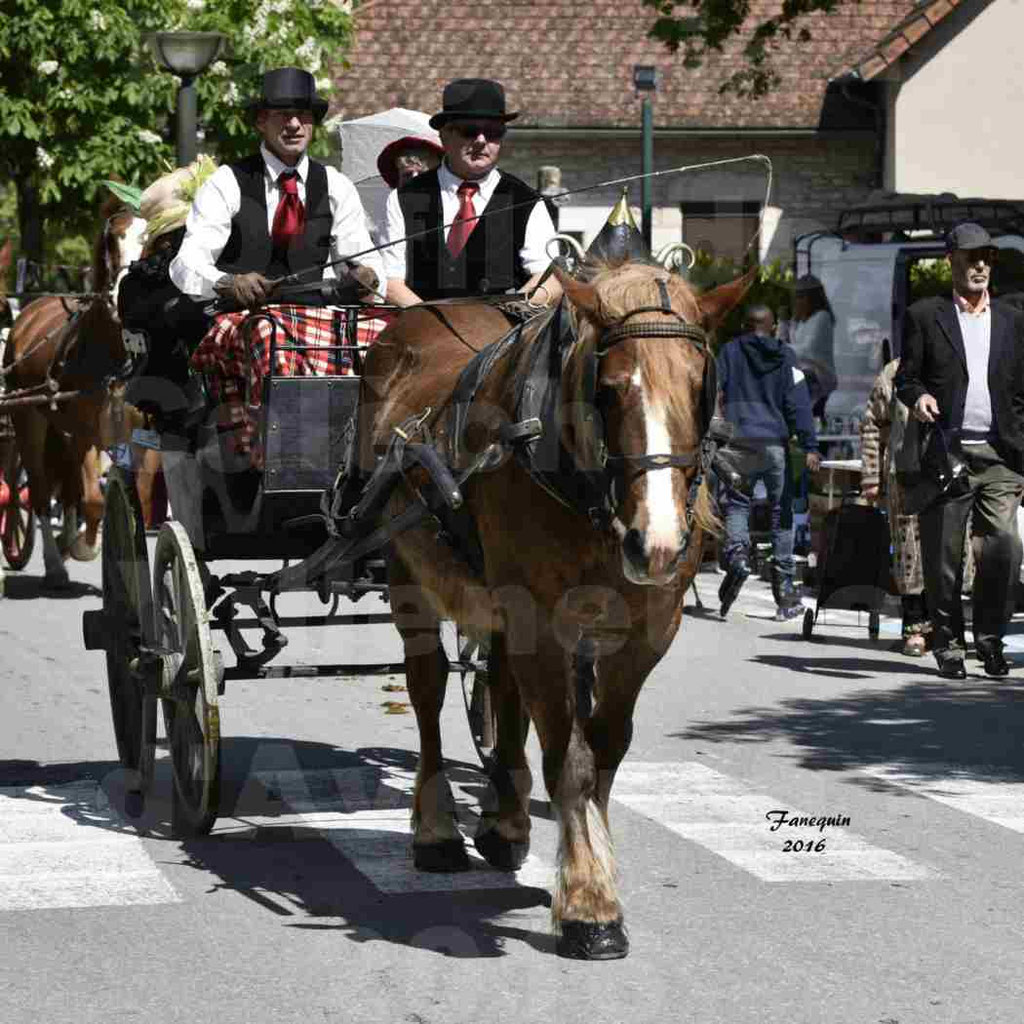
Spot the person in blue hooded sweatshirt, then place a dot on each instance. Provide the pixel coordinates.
(764, 398)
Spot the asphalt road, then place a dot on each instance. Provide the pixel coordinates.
(302, 906)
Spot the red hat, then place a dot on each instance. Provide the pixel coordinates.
(389, 155)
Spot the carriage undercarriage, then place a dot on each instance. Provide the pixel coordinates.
(157, 622)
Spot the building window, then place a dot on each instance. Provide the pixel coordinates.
(722, 229)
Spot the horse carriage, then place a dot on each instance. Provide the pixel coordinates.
(269, 502)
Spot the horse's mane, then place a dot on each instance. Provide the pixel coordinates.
(620, 289)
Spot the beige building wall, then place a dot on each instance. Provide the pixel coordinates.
(956, 110)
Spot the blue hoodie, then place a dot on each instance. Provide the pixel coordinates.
(764, 395)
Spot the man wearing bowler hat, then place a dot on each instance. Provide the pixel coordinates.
(962, 369)
(481, 231)
(277, 212)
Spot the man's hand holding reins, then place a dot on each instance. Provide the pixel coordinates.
(246, 291)
(365, 279)
(926, 409)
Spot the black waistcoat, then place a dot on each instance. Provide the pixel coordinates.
(489, 264)
(249, 246)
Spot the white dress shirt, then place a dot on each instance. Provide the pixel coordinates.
(539, 227)
(208, 227)
(976, 332)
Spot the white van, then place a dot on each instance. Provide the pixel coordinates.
(867, 267)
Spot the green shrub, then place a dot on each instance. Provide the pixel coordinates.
(773, 288)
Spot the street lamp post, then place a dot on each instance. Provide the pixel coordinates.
(645, 80)
(187, 55)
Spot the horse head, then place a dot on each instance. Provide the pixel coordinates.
(118, 245)
(642, 391)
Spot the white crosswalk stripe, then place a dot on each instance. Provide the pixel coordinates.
(63, 847)
(60, 846)
(364, 814)
(1000, 802)
(726, 817)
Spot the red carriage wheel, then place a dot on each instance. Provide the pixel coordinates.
(17, 520)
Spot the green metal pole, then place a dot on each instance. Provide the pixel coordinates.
(646, 168)
(187, 122)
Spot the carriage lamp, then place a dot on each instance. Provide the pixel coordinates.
(187, 55)
(645, 80)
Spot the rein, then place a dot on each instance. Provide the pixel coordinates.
(702, 454)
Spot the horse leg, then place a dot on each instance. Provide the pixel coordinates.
(86, 544)
(146, 462)
(503, 838)
(31, 430)
(437, 841)
(68, 531)
(585, 911)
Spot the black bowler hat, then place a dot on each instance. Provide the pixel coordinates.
(968, 236)
(289, 88)
(472, 97)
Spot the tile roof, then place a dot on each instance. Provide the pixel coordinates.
(919, 22)
(567, 64)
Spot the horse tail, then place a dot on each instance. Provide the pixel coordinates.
(705, 509)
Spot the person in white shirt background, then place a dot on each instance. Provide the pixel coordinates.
(277, 212)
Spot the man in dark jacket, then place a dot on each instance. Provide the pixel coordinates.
(962, 369)
(764, 399)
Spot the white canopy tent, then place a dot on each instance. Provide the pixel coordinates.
(362, 140)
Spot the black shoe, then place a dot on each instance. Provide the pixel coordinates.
(951, 665)
(731, 586)
(992, 659)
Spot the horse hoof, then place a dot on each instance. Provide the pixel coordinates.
(446, 856)
(499, 852)
(589, 940)
(81, 551)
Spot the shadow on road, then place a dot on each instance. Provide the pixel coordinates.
(316, 835)
(30, 588)
(974, 725)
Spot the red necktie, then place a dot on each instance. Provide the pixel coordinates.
(465, 219)
(290, 216)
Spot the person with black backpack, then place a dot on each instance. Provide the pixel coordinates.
(764, 399)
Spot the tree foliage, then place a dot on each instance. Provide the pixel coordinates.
(83, 98)
(698, 27)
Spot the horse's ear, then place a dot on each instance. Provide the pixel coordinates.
(582, 296)
(716, 304)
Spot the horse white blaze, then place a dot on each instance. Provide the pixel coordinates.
(130, 250)
(662, 515)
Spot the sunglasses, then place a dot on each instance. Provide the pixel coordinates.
(491, 132)
(988, 256)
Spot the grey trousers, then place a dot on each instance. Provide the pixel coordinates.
(994, 496)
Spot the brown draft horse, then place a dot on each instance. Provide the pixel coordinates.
(74, 341)
(576, 616)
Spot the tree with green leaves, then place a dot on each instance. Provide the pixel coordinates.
(697, 27)
(83, 99)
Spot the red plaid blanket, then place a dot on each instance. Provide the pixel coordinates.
(234, 356)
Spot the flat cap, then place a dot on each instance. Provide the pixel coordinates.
(968, 236)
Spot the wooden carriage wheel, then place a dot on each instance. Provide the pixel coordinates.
(476, 695)
(192, 713)
(127, 606)
(17, 519)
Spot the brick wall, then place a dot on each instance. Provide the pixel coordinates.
(813, 178)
